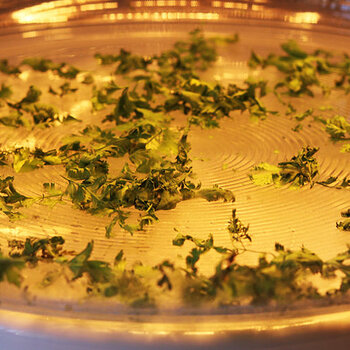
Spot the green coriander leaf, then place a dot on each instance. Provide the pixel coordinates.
(119, 257)
(34, 249)
(32, 96)
(292, 49)
(67, 71)
(215, 193)
(67, 89)
(302, 169)
(10, 269)
(10, 198)
(297, 128)
(15, 119)
(7, 69)
(345, 148)
(40, 64)
(237, 230)
(78, 263)
(338, 128)
(302, 116)
(88, 79)
(110, 226)
(106, 59)
(265, 174)
(5, 92)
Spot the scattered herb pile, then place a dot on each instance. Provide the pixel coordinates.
(299, 171)
(139, 105)
(280, 276)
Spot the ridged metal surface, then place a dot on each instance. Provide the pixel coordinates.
(223, 156)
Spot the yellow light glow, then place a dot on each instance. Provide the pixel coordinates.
(138, 15)
(49, 15)
(258, 8)
(84, 1)
(303, 17)
(17, 232)
(31, 34)
(91, 7)
(150, 3)
(216, 3)
(80, 108)
(31, 143)
(111, 5)
(160, 3)
(231, 5)
(52, 13)
(58, 11)
(160, 16)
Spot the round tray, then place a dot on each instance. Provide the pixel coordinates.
(74, 33)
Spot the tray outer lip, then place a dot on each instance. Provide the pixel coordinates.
(279, 12)
(266, 324)
(140, 26)
(184, 328)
